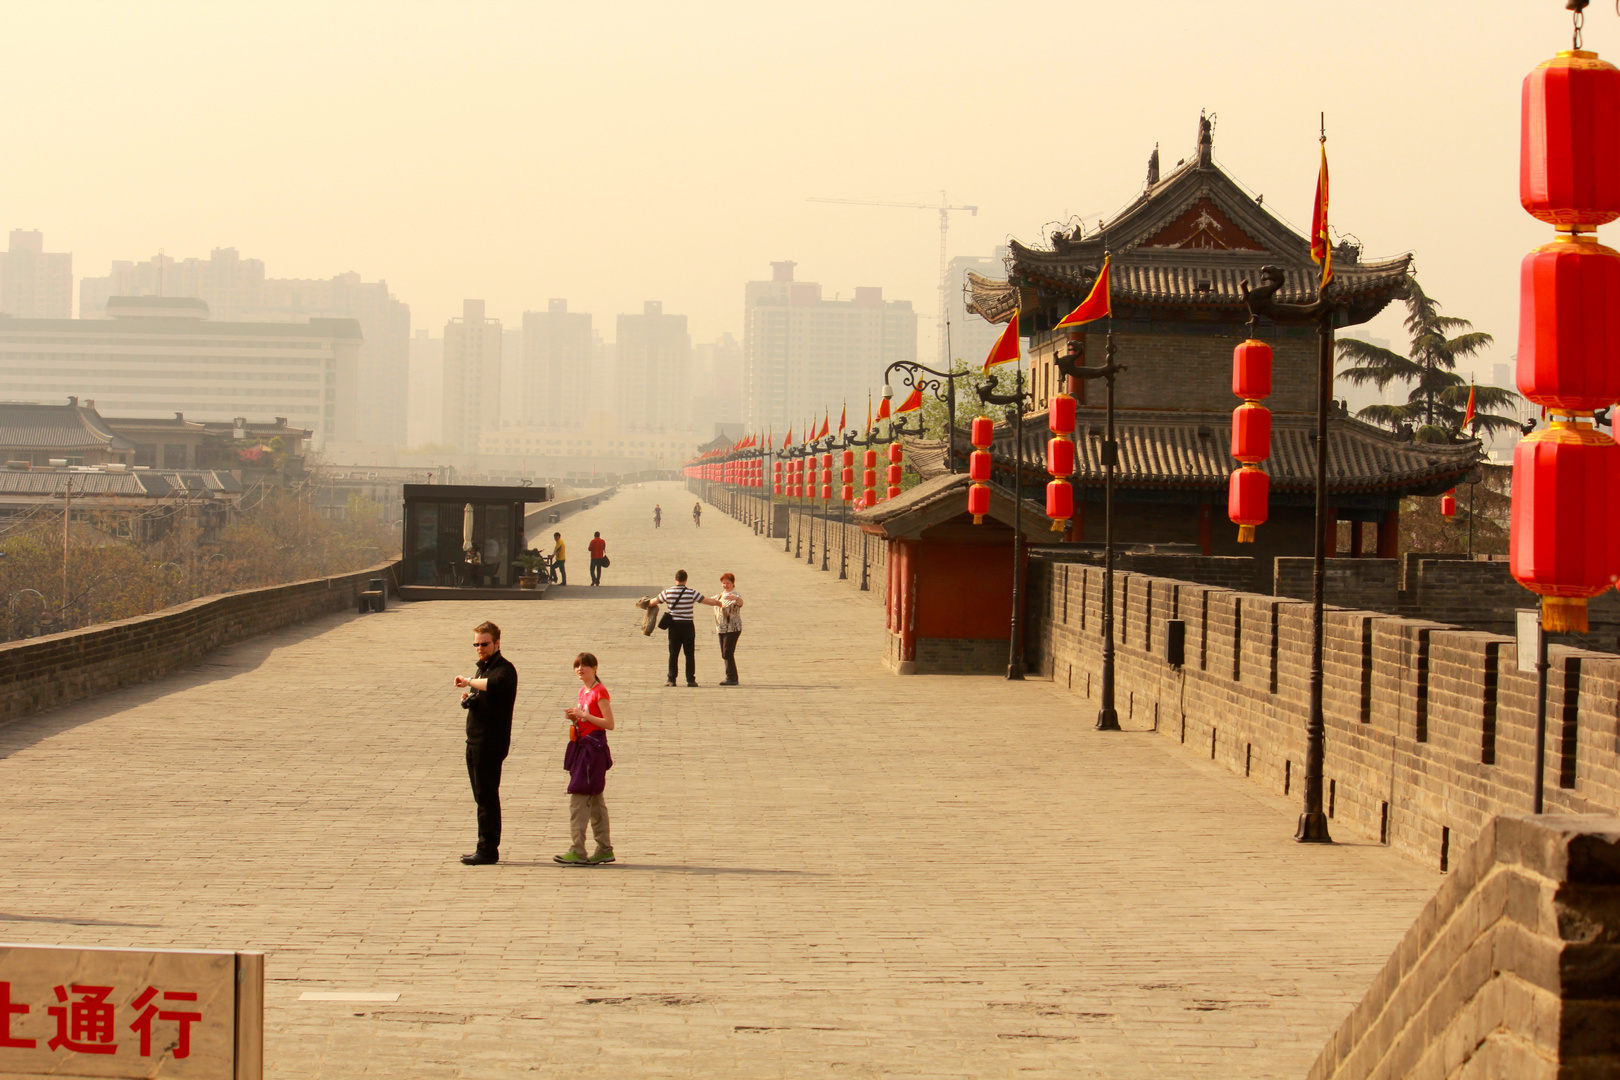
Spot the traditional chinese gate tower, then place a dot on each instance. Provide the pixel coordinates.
(1180, 252)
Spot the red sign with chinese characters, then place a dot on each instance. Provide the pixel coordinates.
(124, 1012)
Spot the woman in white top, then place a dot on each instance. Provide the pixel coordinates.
(728, 621)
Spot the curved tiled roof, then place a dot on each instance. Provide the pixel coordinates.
(27, 426)
(1182, 450)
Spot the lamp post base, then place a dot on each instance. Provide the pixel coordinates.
(1108, 720)
(1313, 829)
(1015, 673)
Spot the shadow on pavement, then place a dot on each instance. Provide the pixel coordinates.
(706, 871)
(600, 592)
(70, 920)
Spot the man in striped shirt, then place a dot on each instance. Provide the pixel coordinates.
(679, 600)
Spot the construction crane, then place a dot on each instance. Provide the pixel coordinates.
(944, 207)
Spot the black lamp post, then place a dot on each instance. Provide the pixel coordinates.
(943, 386)
(1313, 827)
(827, 444)
(1016, 399)
(1069, 364)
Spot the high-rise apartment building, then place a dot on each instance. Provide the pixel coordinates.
(35, 283)
(653, 355)
(803, 355)
(558, 387)
(236, 289)
(717, 369)
(472, 377)
(425, 415)
(154, 357)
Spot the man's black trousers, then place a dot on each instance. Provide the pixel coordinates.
(682, 635)
(484, 770)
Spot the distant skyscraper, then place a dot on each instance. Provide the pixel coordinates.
(425, 422)
(1503, 375)
(34, 283)
(558, 383)
(653, 355)
(472, 376)
(972, 336)
(803, 355)
(237, 291)
(717, 384)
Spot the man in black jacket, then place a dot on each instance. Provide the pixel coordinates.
(488, 701)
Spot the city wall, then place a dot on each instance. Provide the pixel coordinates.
(59, 669)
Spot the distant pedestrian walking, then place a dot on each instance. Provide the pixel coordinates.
(598, 550)
(658, 516)
(677, 623)
(490, 696)
(697, 514)
(728, 622)
(588, 759)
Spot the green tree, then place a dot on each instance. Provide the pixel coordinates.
(1437, 395)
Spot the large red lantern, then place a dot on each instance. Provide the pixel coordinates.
(978, 502)
(1247, 493)
(1448, 504)
(979, 466)
(1059, 501)
(1251, 433)
(892, 474)
(1563, 541)
(895, 452)
(1569, 325)
(1060, 414)
(1060, 457)
(1251, 370)
(1569, 147)
(847, 492)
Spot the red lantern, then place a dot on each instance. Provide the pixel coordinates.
(1563, 542)
(895, 451)
(1251, 370)
(869, 460)
(1569, 325)
(1448, 504)
(1060, 415)
(847, 475)
(849, 458)
(983, 432)
(1246, 497)
(1251, 433)
(893, 475)
(848, 492)
(1059, 503)
(1569, 146)
(978, 466)
(978, 502)
(1060, 458)
(869, 478)
(893, 492)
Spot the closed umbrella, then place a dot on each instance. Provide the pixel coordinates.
(467, 527)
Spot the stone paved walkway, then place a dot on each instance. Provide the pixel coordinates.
(826, 872)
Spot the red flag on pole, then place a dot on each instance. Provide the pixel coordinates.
(912, 403)
(883, 409)
(787, 440)
(824, 418)
(843, 416)
(1006, 347)
(1468, 413)
(1098, 304)
(1321, 247)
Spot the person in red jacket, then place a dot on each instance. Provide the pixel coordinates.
(598, 550)
(588, 759)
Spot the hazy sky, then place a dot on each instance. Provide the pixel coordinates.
(616, 152)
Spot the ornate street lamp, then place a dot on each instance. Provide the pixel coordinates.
(869, 464)
(1069, 364)
(942, 384)
(1016, 400)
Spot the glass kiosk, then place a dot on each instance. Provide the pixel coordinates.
(462, 540)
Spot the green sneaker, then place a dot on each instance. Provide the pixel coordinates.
(603, 856)
(568, 858)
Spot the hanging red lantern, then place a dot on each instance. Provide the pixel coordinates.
(1251, 433)
(869, 478)
(895, 452)
(979, 466)
(1060, 414)
(848, 492)
(1059, 503)
(1060, 457)
(848, 458)
(1448, 504)
(978, 502)
(1246, 497)
(1569, 146)
(1251, 370)
(1569, 325)
(869, 459)
(1563, 542)
(983, 432)
(847, 475)
(892, 474)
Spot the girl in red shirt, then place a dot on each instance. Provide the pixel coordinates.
(588, 759)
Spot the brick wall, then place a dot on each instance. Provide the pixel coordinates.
(1359, 583)
(45, 672)
(1430, 728)
(1509, 971)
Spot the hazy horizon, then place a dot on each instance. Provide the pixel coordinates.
(611, 155)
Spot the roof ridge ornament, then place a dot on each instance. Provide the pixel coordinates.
(1206, 140)
(1153, 167)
